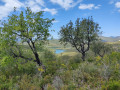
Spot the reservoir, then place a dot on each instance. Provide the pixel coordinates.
(58, 51)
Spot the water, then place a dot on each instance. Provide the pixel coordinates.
(58, 51)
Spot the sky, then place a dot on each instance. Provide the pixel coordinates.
(104, 12)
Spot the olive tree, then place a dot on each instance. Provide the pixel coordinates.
(80, 35)
(25, 26)
(101, 48)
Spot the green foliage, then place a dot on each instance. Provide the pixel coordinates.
(112, 85)
(51, 67)
(49, 55)
(28, 68)
(11, 66)
(80, 35)
(12, 70)
(65, 73)
(80, 32)
(26, 27)
(26, 83)
(100, 48)
(19, 72)
(71, 87)
(47, 79)
(7, 61)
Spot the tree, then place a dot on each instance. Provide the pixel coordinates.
(25, 26)
(100, 48)
(80, 35)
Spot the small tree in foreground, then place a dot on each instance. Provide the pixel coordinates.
(26, 27)
(80, 35)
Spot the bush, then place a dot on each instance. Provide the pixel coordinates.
(113, 85)
(49, 55)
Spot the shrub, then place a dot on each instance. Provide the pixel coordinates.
(49, 55)
(112, 85)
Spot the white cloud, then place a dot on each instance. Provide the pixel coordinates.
(97, 7)
(86, 6)
(8, 7)
(30, 3)
(117, 5)
(41, 2)
(34, 2)
(36, 8)
(35, 5)
(66, 4)
(52, 11)
(112, 1)
(89, 6)
(39, 5)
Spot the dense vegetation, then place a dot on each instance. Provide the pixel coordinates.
(19, 70)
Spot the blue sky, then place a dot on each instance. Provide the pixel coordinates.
(104, 12)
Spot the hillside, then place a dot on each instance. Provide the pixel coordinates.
(110, 39)
(56, 43)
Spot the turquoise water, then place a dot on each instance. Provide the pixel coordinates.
(58, 51)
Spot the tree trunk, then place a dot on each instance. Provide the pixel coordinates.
(42, 87)
(83, 56)
(33, 48)
(37, 59)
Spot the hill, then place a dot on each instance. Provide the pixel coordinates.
(110, 39)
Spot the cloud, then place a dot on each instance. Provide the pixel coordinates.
(97, 7)
(117, 4)
(86, 6)
(39, 5)
(66, 4)
(112, 1)
(36, 8)
(41, 2)
(52, 11)
(35, 5)
(32, 3)
(8, 7)
(89, 6)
